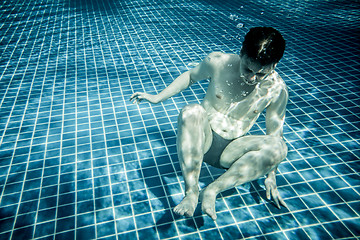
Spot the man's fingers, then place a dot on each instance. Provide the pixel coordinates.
(136, 98)
(135, 95)
(276, 200)
(268, 193)
(140, 96)
(282, 202)
(132, 96)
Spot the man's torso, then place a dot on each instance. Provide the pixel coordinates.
(232, 105)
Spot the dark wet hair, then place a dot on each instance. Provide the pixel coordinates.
(265, 45)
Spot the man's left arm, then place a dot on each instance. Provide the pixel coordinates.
(275, 114)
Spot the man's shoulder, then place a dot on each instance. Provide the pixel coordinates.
(279, 89)
(280, 82)
(222, 58)
(275, 85)
(276, 81)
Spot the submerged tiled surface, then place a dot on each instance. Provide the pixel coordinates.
(78, 160)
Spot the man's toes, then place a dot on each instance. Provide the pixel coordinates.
(211, 213)
(179, 210)
(189, 213)
(184, 210)
(209, 209)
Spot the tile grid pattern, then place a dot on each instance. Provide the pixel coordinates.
(79, 160)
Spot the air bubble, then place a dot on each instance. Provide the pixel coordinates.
(234, 17)
(244, 93)
(240, 25)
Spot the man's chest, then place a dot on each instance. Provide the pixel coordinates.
(238, 100)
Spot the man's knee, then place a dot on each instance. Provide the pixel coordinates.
(194, 130)
(193, 114)
(278, 145)
(275, 146)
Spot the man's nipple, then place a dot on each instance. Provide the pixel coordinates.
(219, 93)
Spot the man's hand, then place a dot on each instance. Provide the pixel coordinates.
(139, 96)
(271, 188)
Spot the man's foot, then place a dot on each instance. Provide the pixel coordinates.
(208, 198)
(187, 205)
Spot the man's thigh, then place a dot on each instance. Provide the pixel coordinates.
(268, 147)
(194, 130)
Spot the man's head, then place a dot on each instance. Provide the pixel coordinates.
(262, 49)
(264, 45)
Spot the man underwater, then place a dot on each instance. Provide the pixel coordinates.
(241, 87)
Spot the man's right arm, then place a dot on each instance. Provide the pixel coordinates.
(200, 72)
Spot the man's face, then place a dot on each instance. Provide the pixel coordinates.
(252, 71)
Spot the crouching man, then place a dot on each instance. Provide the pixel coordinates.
(241, 87)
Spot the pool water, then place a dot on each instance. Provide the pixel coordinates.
(79, 160)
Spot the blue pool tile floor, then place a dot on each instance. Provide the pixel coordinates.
(79, 161)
